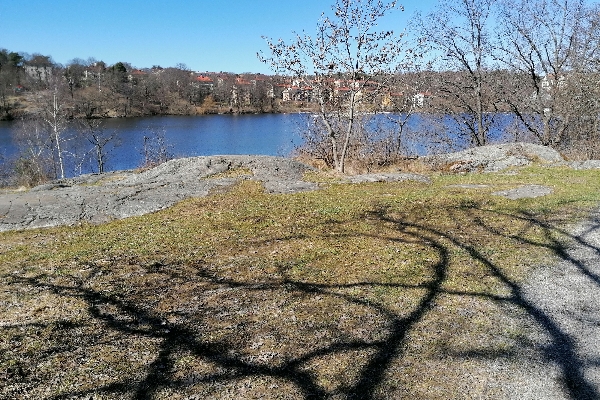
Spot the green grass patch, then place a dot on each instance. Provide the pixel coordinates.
(232, 173)
(377, 290)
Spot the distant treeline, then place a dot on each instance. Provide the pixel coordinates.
(93, 89)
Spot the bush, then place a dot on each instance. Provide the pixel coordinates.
(29, 172)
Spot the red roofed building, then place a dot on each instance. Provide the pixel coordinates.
(204, 79)
(135, 74)
(241, 81)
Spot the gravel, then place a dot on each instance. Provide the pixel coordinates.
(562, 303)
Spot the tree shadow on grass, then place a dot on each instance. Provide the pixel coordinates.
(211, 334)
(563, 348)
(559, 241)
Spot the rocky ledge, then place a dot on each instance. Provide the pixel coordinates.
(116, 195)
(494, 158)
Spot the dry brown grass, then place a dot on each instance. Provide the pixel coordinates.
(371, 290)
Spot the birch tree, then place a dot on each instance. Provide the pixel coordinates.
(56, 122)
(345, 64)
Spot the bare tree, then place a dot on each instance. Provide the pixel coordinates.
(458, 33)
(35, 159)
(156, 148)
(345, 64)
(74, 73)
(583, 134)
(550, 44)
(93, 131)
(406, 97)
(54, 117)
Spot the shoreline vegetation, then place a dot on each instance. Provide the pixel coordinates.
(25, 107)
(544, 74)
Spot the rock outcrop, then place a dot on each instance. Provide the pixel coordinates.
(494, 158)
(101, 198)
(121, 194)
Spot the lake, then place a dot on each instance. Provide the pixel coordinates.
(186, 136)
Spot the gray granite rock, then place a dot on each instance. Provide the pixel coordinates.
(526, 191)
(494, 158)
(101, 198)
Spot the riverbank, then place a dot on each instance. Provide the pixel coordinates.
(121, 194)
(28, 105)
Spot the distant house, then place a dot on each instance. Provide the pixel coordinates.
(204, 82)
(394, 99)
(204, 79)
(550, 81)
(240, 92)
(94, 71)
(296, 93)
(389, 99)
(550, 84)
(420, 98)
(242, 81)
(285, 92)
(41, 73)
(136, 74)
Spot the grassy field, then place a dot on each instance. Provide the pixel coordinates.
(381, 290)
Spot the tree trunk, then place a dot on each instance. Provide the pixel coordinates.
(342, 163)
(481, 135)
(57, 131)
(331, 134)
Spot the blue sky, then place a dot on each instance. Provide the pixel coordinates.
(205, 35)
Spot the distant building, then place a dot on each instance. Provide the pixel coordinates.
(296, 93)
(135, 74)
(203, 82)
(40, 73)
(550, 81)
